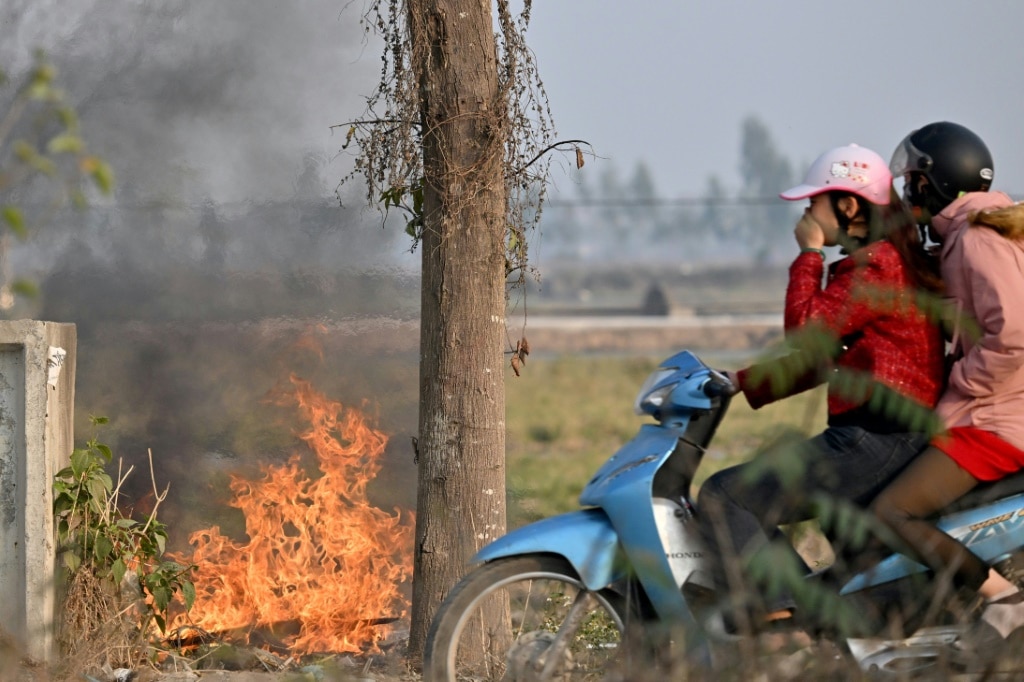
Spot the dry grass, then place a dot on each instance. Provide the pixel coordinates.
(95, 634)
(97, 629)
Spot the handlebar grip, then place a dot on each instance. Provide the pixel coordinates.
(718, 386)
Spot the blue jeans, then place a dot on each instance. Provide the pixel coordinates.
(740, 508)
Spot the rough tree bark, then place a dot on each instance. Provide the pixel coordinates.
(461, 443)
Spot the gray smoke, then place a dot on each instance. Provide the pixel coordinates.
(192, 99)
(224, 244)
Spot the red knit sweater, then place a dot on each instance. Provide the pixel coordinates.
(869, 304)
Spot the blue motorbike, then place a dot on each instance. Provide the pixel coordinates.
(576, 595)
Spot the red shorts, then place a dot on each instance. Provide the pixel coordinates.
(982, 454)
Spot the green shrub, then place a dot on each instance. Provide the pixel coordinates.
(95, 536)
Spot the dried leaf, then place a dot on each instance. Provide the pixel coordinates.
(515, 363)
(579, 158)
(524, 347)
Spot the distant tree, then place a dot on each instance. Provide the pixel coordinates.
(567, 229)
(609, 185)
(641, 190)
(612, 226)
(213, 232)
(716, 223)
(645, 215)
(310, 186)
(712, 221)
(764, 172)
(763, 169)
(584, 190)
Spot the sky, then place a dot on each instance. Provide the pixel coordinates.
(668, 83)
(254, 86)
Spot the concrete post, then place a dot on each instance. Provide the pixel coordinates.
(37, 398)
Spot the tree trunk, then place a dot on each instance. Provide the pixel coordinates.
(461, 444)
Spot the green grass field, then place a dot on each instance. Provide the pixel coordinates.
(567, 415)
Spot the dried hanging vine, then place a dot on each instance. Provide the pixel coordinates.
(388, 139)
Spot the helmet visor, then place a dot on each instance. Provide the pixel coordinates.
(908, 158)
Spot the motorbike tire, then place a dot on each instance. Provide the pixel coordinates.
(538, 591)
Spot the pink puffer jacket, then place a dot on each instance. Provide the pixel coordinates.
(984, 275)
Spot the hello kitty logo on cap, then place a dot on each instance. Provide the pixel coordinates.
(840, 169)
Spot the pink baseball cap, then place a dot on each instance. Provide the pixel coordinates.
(853, 169)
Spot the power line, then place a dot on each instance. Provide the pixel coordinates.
(689, 201)
(682, 201)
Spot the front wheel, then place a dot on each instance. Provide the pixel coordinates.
(525, 618)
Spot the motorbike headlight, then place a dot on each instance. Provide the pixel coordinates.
(654, 391)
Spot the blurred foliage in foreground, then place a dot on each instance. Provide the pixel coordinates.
(44, 162)
(567, 415)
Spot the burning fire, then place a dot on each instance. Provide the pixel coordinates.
(319, 556)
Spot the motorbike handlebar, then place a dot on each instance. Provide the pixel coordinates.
(718, 386)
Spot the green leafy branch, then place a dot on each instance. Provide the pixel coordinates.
(40, 138)
(94, 535)
(409, 199)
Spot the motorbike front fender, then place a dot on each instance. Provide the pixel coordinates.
(585, 538)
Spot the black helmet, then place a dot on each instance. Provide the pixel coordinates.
(954, 160)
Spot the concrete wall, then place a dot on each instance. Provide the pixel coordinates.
(37, 397)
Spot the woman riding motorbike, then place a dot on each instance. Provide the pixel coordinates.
(864, 333)
(947, 171)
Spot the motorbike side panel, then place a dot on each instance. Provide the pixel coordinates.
(623, 488)
(585, 538)
(993, 532)
(634, 464)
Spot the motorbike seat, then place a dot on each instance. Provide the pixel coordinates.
(989, 492)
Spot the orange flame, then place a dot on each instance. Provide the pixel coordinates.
(318, 554)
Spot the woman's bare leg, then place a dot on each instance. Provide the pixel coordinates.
(930, 483)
